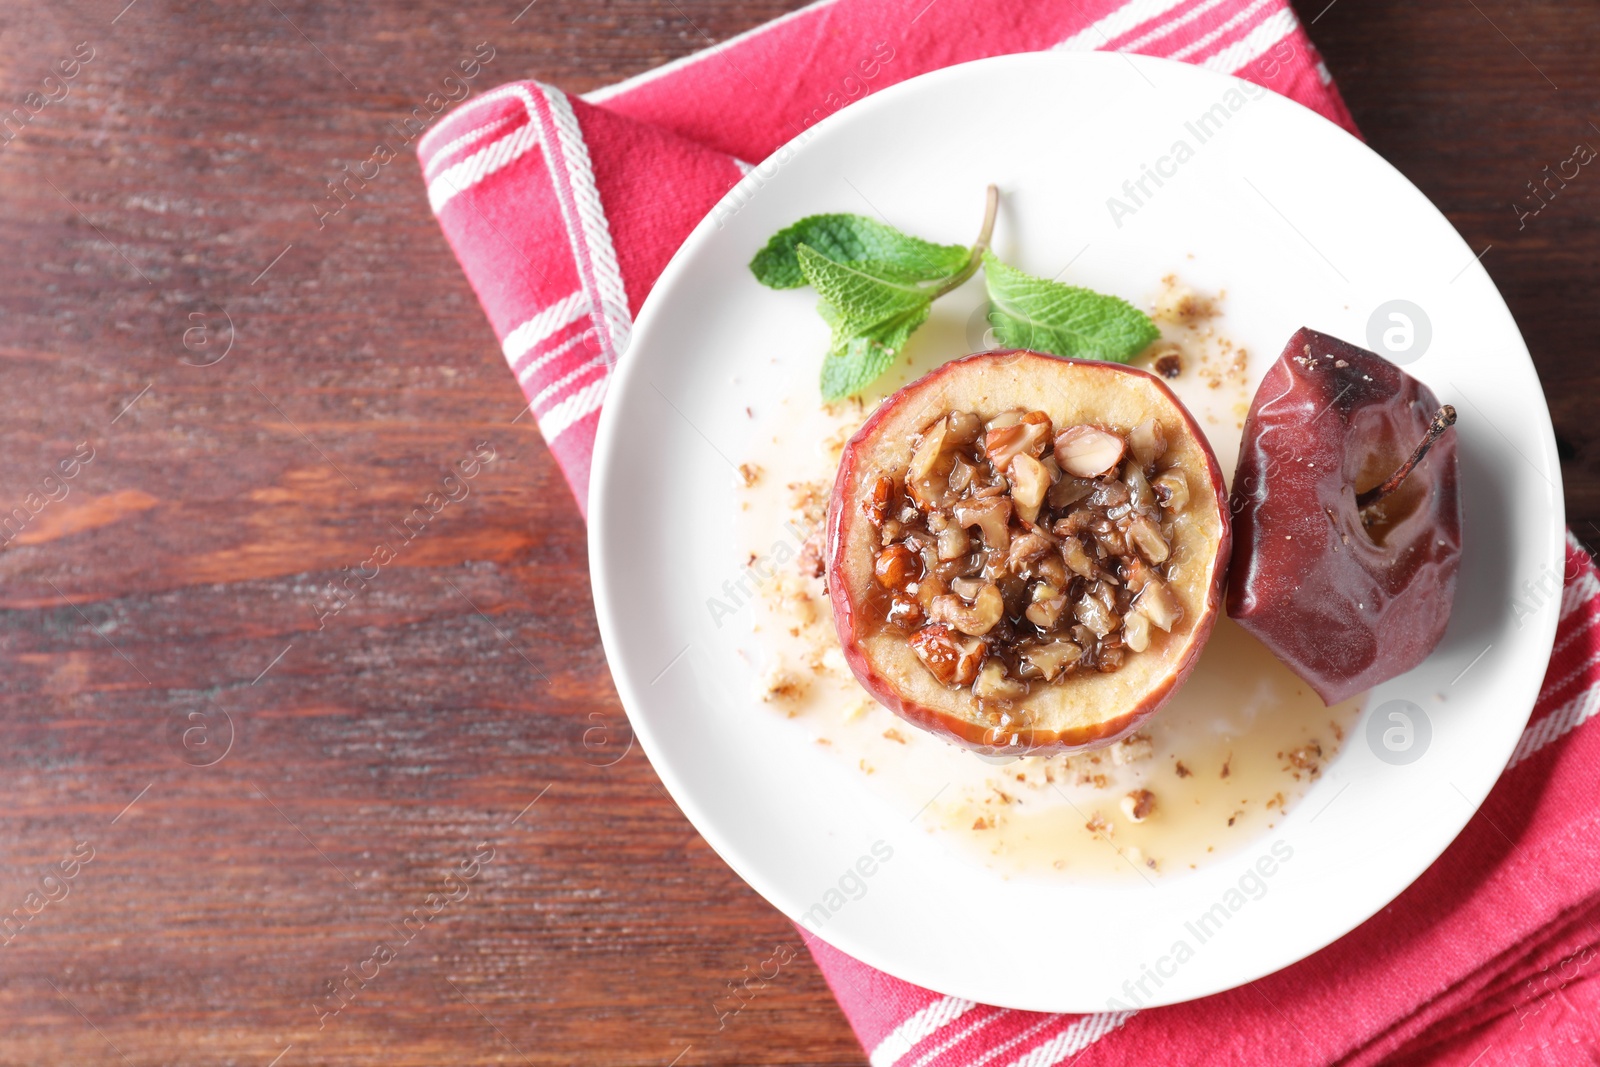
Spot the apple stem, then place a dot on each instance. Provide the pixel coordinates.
(990, 210)
(1443, 419)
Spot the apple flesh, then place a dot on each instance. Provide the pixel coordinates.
(1346, 589)
(972, 667)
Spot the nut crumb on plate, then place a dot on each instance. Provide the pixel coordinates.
(1139, 805)
(1134, 748)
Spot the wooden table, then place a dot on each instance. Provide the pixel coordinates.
(267, 796)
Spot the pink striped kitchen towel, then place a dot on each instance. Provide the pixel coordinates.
(564, 210)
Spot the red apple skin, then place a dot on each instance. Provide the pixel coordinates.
(844, 510)
(1343, 612)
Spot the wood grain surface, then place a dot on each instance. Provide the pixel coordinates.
(264, 797)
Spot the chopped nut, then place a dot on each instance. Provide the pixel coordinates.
(1067, 491)
(1076, 558)
(964, 427)
(967, 588)
(1051, 569)
(1169, 362)
(1180, 304)
(810, 561)
(1146, 537)
(1093, 611)
(1051, 659)
(1148, 442)
(954, 541)
(1156, 603)
(928, 452)
(976, 619)
(990, 517)
(750, 472)
(993, 684)
(1183, 772)
(1029, 483)
(1307, 757)
(876, 505)
(961, 475)
(1139, 805)
(1135, 631)
(1027, 436)
(781, 686)
(904, 612)
(810, 499)
(1139, 491)
(1029, 546)
(897, 567)
(1172, 490)
(952, 659)
(1045, 607)
(1087, 451)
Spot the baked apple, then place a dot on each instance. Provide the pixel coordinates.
(1349, 517)
(1025, 554)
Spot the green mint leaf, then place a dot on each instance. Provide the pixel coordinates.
(855, 362)
(1063, 320)
(857, 299)
(871, 318)
(854, 239)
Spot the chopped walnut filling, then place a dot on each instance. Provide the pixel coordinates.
(1013, 554)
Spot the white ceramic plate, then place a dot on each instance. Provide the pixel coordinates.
(1303, 225)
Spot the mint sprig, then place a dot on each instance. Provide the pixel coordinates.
(873, 307)
(877, 286)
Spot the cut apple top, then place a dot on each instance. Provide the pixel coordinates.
(1026, 553)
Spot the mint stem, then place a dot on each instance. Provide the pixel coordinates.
(991, 208)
